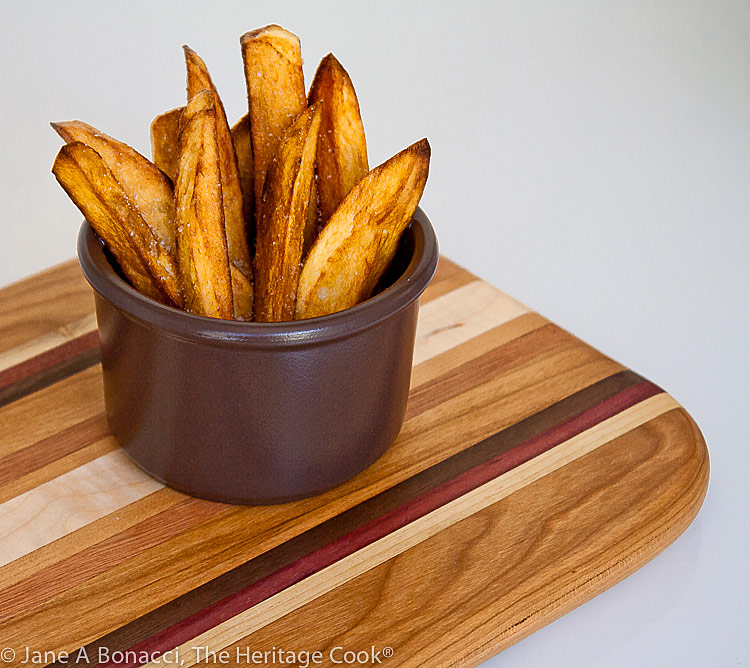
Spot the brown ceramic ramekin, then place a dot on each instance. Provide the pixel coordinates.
(258, 412)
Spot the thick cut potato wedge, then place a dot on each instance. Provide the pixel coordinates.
(283, 215)
(275, 91)
(243, 148)
(201, 243)
(142, 257)
(165, 132)
(198, 79)
(145, 185)
(355, 247)
(242, 294)
(342, 149)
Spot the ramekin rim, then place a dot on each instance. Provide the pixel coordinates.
(180, 324)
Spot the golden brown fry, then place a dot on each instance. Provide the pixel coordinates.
(165, 131)
(342, 149)
(142, 257)
(275, 91)
(201, 243)
(310, 232)
(361, 237)
(243, 148)
(283, 214)
(145, 185)
(198, 79)
(242, 294)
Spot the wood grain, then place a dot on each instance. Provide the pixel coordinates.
(57, 299)
(531, 473)
(502, 573)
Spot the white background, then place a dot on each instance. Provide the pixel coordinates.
(590, 158)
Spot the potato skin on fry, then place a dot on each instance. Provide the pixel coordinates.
(242, 294)
(145, 185)
(144, 260)
(165, 137)
(283, 215)
(342, 148)
(199, 79)
(243, 148)
(361, 237)
(275, 91)
(201, 242)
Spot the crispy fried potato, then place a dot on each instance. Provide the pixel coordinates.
(145, 185)
(242, 294)
(310, 232)
(342, 149)
(199, 79)
(201, 242)
(165, 131)
(275, 91)
(243, 148)
(283, 214)
(142, 257)
(355, 247)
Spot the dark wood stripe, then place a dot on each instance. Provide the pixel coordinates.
(286, 554)
(49, 375)
(50, 449)
(49, 358)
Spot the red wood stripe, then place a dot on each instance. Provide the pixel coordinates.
(49, 358)
(49, 376)
(387, 523)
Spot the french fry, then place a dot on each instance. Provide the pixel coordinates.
(242, 294)
(283, 215)
(165, 130)
(145, 185)
(342, 150)
(199, 79)
(275, 91)
(201, 242)
(243, 148)
(144, 260)
(355, 247)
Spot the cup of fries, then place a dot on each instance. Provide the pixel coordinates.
(256, 286)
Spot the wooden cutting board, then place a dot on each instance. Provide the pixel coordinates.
(532, 473)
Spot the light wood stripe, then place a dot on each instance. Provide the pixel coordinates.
(92, 534)
(461, 315)
(47, 341)
(399, 541)
(459, 355)
(70, 502)
(57, 468)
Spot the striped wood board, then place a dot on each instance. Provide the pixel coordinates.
(532, 473)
